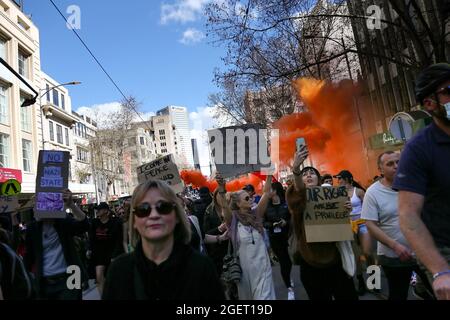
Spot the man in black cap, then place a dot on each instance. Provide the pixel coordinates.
(105, 240)
(423, 181)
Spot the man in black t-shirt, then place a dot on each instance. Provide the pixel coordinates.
(105, 238)
(423, 181)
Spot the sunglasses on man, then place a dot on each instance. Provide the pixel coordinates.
(144, 209)
(445, 90)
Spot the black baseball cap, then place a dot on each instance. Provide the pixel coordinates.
(430, 79)
(103, 205)
(344, 174)
(249, 188)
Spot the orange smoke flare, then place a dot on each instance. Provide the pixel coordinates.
(330, 128)
(197, 180)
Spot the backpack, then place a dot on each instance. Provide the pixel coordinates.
(15, 281)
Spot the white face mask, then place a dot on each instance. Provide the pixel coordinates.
(447, 109)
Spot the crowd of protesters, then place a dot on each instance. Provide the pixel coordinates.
(159, 245)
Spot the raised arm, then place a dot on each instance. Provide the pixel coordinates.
(300, 157)
(264, 201)
(78, 214)
(221, 199)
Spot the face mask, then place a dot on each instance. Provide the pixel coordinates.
(447, 109)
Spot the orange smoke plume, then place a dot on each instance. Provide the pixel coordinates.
(330, 128)
(238, 184)
(197, 180)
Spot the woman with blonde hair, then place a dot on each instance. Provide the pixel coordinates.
(162, 266)
(246, 232)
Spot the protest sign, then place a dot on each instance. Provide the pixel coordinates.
(326, 218)
(163, 169)
(51, 180)
(239, 150)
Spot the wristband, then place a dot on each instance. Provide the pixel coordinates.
(296, 173)
(437, 275)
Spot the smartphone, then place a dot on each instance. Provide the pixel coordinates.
(300, 142)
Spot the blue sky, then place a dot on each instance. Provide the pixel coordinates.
(141, 45)
(154, 50)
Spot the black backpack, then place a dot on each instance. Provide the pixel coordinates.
(15, 281)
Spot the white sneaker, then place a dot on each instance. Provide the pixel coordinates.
(291, 294)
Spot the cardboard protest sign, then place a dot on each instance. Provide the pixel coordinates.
(163, 169)
(8, 204)
(239, 150)
(51, 180)
(326, 218)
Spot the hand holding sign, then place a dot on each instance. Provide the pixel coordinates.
(348, 205)
(68, 197)
(221, 182)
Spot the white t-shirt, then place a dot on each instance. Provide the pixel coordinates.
(381, 205)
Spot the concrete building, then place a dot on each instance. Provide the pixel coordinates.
(195, 154)
(140, 149)
(180, 119)
(388, 81)
(20, 128)
(83, 179)
(166, 140)
(325, 39)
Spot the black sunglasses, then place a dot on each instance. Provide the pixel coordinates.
(445, 90)
(144, 209)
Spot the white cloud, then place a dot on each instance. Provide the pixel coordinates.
(192, 36)
(101, 113)
(182, 11)
(98, 112)
(201, 121)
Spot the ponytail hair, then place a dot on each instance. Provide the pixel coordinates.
(357, 185)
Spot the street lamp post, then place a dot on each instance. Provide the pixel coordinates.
(72, 83)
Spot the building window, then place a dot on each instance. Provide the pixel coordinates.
(23, 64)
(3, 49)
(162, 132)
(4, 109)
(63, 102)
(4, 150)
(27, 155)
(142, 141)
(163, 150)
(82, 155)
(163, 138)
(47, 88)
(55, 98)
(52, 131)
(163, 144)
(66, 131)
(59, 134)
(25, 116)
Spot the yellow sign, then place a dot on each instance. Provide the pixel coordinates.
(10, 188)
